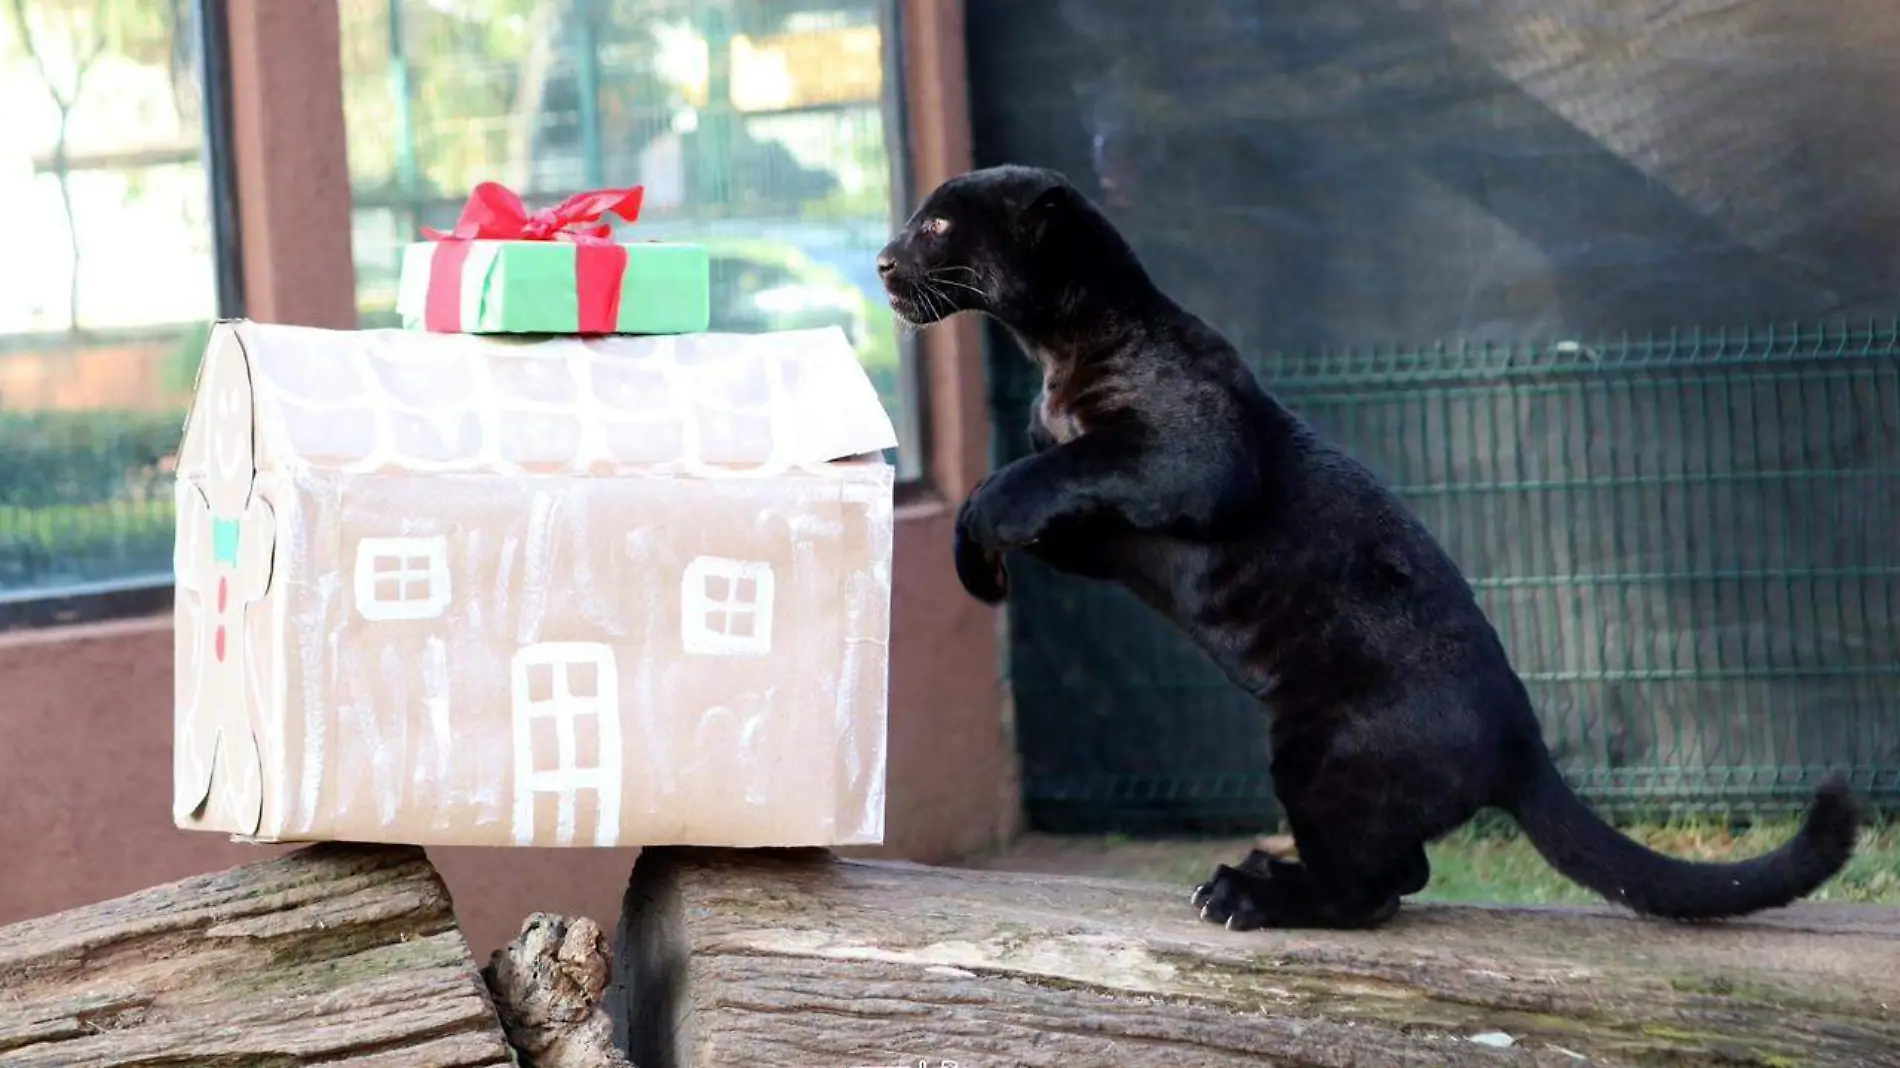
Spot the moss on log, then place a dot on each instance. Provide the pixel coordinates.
(797, 958)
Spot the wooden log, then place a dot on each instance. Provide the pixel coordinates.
(346, 956)
(795, 958)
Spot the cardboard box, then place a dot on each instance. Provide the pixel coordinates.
(545, 287)
(449, 589)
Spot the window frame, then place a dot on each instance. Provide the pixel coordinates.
(914, 435)
(214, 82)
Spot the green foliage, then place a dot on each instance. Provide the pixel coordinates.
(452, 106)
(101, 520)
(870, 158)
(83, 458)
(83, 495)
(880, 356)
(179, 374)
(879, 351)
(66, 31)
(66, 544)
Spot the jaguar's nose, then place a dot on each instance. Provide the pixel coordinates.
(886, 263)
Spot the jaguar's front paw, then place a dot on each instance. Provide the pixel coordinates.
(1238, 900)
(980, 570)
(997, 518)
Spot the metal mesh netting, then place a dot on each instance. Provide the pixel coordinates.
(1685, 534)
(1714, 623)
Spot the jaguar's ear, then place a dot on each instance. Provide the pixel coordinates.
(1046, 212)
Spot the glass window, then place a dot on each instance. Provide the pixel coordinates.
(761, 129)
(106, 298)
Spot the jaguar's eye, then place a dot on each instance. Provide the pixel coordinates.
(936, 227)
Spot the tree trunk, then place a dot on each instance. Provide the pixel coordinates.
(795, 958)
(62, 165)
(346, 956)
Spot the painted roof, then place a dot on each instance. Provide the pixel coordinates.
(404, 400)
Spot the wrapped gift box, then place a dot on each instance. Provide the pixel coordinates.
(503, 270)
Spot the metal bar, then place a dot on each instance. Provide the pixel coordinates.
(124, 159)
(587, 73)
(713, 177)
(401, 90)
(214, 81)
(137, 595)
(914, 427)
(1603, 482)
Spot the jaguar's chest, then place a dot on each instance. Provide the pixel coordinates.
(1057, 407)
(1061, 421)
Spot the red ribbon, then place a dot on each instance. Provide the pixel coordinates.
(495, 213)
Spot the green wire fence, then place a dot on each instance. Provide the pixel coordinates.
(1690, 545)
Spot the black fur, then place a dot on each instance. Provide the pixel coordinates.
(1161, 464)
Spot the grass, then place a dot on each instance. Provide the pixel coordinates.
(1492, 866)
(1473, 865)
(61, 544)
(53, 522)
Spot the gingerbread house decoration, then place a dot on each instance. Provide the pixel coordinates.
(452, 589)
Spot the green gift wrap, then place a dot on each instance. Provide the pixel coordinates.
(503, 270)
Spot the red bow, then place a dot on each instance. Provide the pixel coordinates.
(495, 213)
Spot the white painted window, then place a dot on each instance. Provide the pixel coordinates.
(567, 737)
(726, 607)
(402, 578)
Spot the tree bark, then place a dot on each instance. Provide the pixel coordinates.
(346, 956)
(796, 958)
(548, 986)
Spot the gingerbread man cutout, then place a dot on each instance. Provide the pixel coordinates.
(225, 550)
